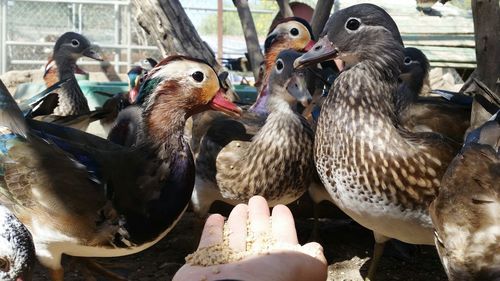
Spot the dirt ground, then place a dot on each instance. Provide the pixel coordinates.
(347, 245)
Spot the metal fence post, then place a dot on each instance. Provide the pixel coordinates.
(3, 36)
(128, 16)
(117, 37)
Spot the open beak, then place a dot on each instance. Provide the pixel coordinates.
(309, 45)
(93, 53)
(220, 103)
(321, 51)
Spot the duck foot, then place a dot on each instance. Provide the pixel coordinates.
(103, 270)
(56, 274)
(378, 250)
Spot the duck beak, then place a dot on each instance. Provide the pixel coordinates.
(309, 45)
(297, 87)
(93, 53)
(321, 51)
(220, 103)
(134, 93)
(269, 41)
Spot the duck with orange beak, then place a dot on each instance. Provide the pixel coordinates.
(84, 196)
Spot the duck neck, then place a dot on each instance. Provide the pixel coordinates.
(162, 138)
(166, 179)
(277, 102)
(65, 66)
(370, 89)
(416, 82)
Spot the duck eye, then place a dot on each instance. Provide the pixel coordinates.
(352, 24)
(75, 43)
(279, 66)
(407, 60)
(198, 76)
(294, 31)
(4, 264)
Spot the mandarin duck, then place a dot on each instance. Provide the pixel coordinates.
(466, 213)
(69, 100)
(70, 190)
(290, 33)
(17, 252)
(274, 162)
(381, 175)
(51, 73)
(121, 101)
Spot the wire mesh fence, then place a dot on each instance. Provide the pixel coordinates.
(29, 29)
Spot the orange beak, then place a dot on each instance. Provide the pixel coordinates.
(309, 45)
(220, 103)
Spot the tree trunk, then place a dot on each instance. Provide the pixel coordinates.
(320, 16)
(167, 22)
(250, 33)
(285, 9)
(486, 15)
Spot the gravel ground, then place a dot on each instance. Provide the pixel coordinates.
(347, 248)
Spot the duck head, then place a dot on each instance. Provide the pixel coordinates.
(72, 46)
(17, 252)
(135, 76)
(184, 85)
(357, 33)
(286, 83)
(415, 68)
(148, 63)
(290, 33)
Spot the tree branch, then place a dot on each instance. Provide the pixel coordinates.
(167, 22)
(320, 16)
(285, 9)
(250, 33)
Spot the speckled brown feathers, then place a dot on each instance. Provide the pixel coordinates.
(277, 164)
(379, 174)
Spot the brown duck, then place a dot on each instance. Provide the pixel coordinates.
(381, 175)
(276, 162)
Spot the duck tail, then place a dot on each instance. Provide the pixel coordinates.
(10, 114)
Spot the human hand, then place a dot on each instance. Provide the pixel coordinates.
(286, 264)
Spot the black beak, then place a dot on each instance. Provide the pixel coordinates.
(269, 41)
(321, 51)
(93, 53)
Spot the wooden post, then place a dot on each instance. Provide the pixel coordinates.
(486, 15)
(167, 22)
(253, 47)
(220, 30)
(321, 14)
(285, 9)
